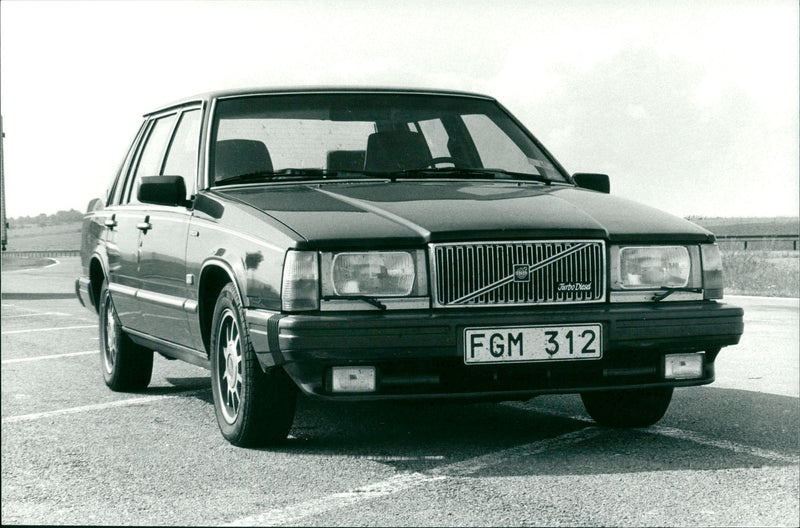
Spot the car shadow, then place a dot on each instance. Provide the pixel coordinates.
(433, 436)
(425, 437)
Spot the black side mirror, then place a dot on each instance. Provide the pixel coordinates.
(594, 182)
(162, 190)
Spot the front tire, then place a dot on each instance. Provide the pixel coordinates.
(627, 408)
(253, 407)
(126, 366)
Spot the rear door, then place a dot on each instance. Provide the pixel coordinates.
(126, 215)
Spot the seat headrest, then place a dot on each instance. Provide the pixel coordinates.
(234, 157)
(396, 150)
(346, 160)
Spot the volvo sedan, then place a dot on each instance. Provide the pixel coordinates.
(368, 244)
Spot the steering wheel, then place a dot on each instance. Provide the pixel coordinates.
(441, 159)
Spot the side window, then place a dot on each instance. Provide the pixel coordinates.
(152, 153)
(115, 192)
(182, 154)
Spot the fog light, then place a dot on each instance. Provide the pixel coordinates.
(353, 379)
(683, 366)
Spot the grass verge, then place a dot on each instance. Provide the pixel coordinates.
(764, 273)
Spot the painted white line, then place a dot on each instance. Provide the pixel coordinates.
(19, 308)
(37, 314)
(99, 406)
(505, 456)
(722, 444)
(680, 434)
(54, 356)
(10, 332)
(294, 513)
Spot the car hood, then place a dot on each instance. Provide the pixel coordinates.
(410, 213)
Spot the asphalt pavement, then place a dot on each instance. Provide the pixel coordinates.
(73, 452)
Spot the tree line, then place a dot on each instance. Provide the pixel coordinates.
(42, 220)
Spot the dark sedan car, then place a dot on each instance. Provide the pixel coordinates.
(364, 244)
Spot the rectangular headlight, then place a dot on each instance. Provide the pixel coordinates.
(374, 274)
(300, 288)
(653, 267)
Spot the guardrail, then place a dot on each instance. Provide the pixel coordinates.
(43, 254)
(762, 242)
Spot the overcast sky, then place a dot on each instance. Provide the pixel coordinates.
(691, 107)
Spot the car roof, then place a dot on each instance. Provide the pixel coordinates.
(218, 94)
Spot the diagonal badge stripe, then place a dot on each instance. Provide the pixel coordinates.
(531, 269)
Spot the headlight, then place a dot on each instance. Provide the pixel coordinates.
(653, 267)
(374, 274)
(300, 288)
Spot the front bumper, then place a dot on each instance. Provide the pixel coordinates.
(419, 354)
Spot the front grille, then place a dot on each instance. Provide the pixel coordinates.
(518, 273)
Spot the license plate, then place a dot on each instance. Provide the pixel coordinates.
(524, 344)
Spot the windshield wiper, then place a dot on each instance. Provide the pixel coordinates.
(464, 172)
(669, 291)
(369, 300)
(283, 174)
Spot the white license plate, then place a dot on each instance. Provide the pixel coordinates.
(513, 344)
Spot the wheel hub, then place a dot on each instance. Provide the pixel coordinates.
(230, 359)
(112, 330)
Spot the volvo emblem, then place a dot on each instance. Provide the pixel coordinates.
(522, 273)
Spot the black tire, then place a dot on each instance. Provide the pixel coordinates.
(126, 366)
(627, 408)
(253, 407)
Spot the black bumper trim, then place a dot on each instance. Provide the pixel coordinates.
(308, 344)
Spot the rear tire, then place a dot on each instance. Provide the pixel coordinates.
(253, 407)
(126, 366)
(627, 408)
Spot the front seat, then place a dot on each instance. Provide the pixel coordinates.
(234, 157)
(396, 150)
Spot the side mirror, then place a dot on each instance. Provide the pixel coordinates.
(594, 182)
(162, 190)
(94, 205)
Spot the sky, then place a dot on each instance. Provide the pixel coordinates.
(690, 107)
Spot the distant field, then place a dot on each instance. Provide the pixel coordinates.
(64, 236)
(777, 226)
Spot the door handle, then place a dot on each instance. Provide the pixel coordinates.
(111, 223)
(144, 226)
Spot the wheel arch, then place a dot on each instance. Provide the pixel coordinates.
(97, 274)
(214, 275)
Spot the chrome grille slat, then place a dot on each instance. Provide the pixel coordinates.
(463, 271)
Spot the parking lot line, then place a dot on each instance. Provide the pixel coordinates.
(294, 513)
(35, 314)
(99, 406)
(55, 329)
(721, 444)
(53, 356)
(680, 434)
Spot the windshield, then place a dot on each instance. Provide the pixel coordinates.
(336, 135)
